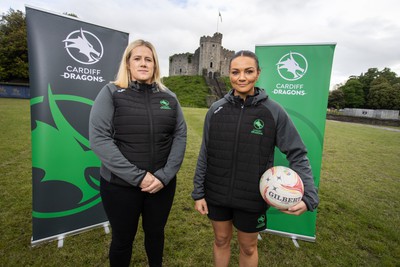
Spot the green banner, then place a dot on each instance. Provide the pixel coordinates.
(298, 78)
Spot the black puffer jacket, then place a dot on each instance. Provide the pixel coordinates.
(238, 147)
(144, 122)
(137, 130)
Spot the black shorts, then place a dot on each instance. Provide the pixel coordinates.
(248, 222)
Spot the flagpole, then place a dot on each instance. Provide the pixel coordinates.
(217, 21)
(219, 17)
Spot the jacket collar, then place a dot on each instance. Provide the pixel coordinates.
(135, 85)
(258, 97)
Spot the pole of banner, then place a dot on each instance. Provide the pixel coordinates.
(60, 242)
(296, 244)
(106, 228)
(294, 240)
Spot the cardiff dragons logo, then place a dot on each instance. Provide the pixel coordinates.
(292, 66)
(63, 164)
(84, 47)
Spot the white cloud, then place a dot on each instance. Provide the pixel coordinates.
(366, 32)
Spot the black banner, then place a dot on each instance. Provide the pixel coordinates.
(69, 62)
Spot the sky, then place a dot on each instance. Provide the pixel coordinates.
(366, 32)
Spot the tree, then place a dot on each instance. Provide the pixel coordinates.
(13, 47)
(336, 99)
(70, 14)
(390, 76)
(366, 79)
(353, 94)
(383, 95)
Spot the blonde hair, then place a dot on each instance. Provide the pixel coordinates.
(123, 77)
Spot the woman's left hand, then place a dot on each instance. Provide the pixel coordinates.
(297, 209)
(154, 187)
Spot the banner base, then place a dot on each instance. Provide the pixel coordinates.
(60, 238)
(294, 237)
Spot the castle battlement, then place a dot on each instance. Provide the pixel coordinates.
(216, 38)
(181, 54)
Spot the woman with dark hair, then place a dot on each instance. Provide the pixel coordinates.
(138, 131)
(233, 156)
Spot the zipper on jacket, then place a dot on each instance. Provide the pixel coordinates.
(235, 152)
(150, 116)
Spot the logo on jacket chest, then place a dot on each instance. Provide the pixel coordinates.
(258, 125)
(164, 104)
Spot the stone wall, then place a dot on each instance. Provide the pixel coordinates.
(364, 120)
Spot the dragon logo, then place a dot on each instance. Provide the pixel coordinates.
(84, 47)
(164, 104)
(258, 126)
(64, 165)
(292, 66)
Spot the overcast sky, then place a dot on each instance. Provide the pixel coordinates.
(367, 33)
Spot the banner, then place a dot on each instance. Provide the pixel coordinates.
(298, 77)
(69, 62)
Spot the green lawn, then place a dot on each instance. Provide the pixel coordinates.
(357, 223)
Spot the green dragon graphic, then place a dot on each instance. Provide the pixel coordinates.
(60, 153)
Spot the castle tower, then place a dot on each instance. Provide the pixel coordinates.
(210, 55)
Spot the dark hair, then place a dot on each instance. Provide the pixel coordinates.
(245, 53)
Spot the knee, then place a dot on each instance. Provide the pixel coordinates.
(222, 240)
(248, 249)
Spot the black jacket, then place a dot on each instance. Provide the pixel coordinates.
(238, 147)
(137, 130)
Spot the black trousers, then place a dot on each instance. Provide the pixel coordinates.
(123, 207)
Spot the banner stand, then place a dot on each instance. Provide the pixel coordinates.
(297, 76)
(70, 60)
(60, 238)
(292, 236)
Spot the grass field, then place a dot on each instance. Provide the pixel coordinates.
(357, 223)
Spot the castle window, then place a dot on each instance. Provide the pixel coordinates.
(180, 71)
(213, 45)
(211, 64)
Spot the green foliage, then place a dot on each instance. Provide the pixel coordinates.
(366, 79)
(374, 89)
(336, 99)
(13, 47)
(70, 14)
(353, 94)
(384, 96)
(227, 82)
(357, 221)
(190, 90)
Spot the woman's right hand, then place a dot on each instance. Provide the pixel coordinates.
(201, 206)
(147, 180)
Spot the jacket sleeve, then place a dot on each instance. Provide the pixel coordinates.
(201, 168)
(290, 143)
(102, 142)
(176, 155)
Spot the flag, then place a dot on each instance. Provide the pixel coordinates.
(220, 16)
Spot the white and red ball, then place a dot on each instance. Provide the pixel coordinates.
(281, 187)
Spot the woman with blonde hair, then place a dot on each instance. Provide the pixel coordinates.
(138, 131)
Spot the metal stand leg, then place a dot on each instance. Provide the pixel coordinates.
(60, 243)
(106, 228)
(295, 242)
